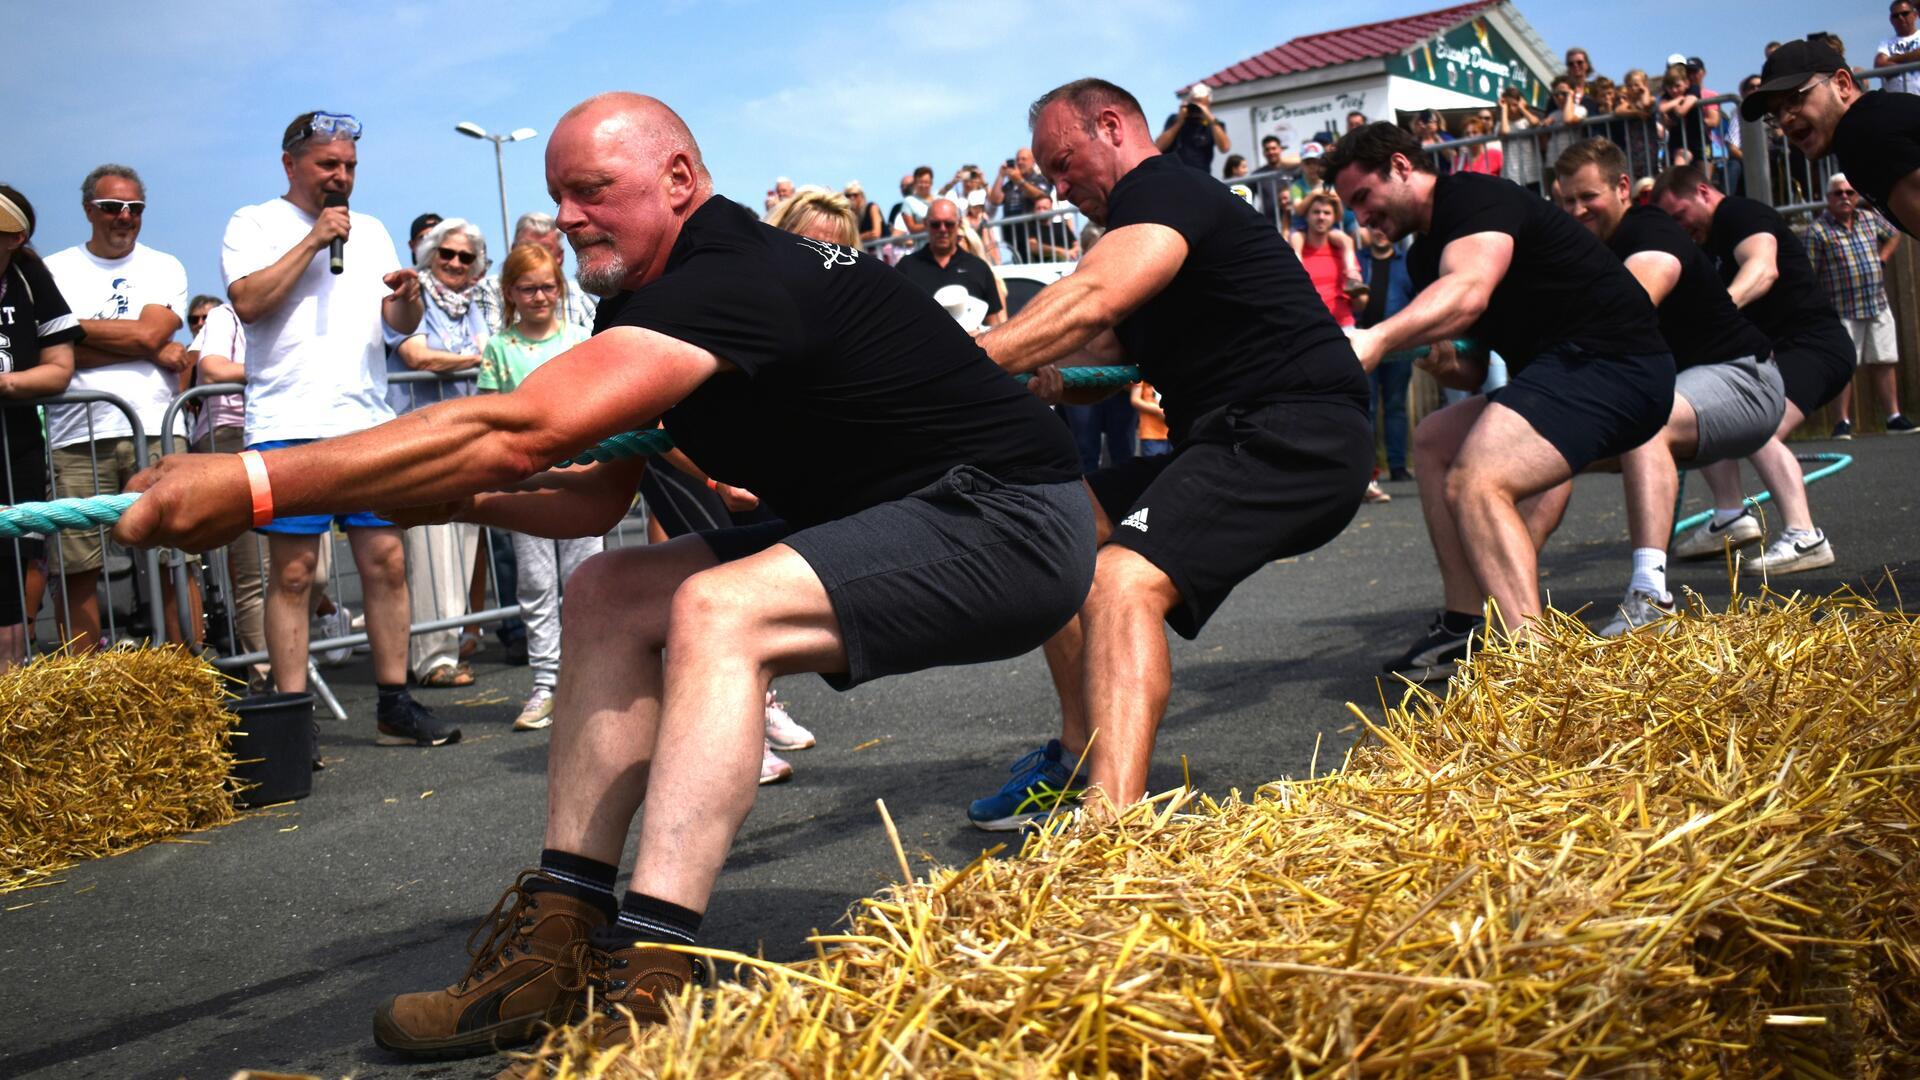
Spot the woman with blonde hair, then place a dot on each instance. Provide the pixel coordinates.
(532, 294)
(818, 214)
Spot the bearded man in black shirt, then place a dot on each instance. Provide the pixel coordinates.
(1808, 92)
(1266, 408)
(766, 354)
(1591, 376)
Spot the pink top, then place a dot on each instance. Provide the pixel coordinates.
(221, 335)
(1329, 279)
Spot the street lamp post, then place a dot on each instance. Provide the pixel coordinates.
(475, 131)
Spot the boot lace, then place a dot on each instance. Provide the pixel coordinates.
(502, 929)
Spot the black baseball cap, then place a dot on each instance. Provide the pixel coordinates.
(1790, 66)
(423, 223)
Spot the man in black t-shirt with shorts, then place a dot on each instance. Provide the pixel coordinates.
(931, 513)
(1808, 93)
(1266, 408)
(1771, 279)
(1591, 377)
(1728, 397)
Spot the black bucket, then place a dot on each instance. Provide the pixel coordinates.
(273, 747)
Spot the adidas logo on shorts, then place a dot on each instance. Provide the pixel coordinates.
(1136, 520)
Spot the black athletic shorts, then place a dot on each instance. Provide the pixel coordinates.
(965, 570)
(1592, 407)
(684, 505)
(1815, 365)
(1252, 482)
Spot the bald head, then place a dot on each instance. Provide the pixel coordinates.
(625, 173)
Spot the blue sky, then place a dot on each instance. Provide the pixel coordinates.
(195, 94)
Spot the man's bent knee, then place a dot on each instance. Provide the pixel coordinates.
(1126, 581)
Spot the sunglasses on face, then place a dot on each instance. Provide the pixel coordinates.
(931, 225)
(464, 258)
(112, 207)
(1842, 193)
(196, 320)
(1900, 14)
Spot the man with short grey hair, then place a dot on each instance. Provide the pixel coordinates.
(130, 300)
(577, 305)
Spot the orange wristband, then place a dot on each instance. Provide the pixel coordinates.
(262, 490)
(712, 484)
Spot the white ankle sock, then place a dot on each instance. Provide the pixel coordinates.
(1650, 573)
(1721, 517)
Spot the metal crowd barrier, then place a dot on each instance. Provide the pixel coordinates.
(1050, 237)
(51, 624)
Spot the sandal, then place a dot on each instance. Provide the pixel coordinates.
(448, 676)
(469, 643)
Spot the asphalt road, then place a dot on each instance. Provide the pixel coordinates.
(267, 943)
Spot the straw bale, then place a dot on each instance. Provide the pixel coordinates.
(102, 753)
(1681, 856)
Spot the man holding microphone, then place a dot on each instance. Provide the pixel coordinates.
(323, 296)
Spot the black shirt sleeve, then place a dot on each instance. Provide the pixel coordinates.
(1878, 143)
(1637, 234)
(54, 323)
(729, 310)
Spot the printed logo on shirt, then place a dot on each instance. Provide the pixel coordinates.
(6, 355)
(832, 254)
(1136, 520)
(119, 305)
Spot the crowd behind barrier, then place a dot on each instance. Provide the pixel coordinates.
(1746, 157)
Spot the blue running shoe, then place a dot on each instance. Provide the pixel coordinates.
(1038, 787)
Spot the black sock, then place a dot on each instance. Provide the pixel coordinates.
(643, 918)
(579, 877)
(391, 695)
(1459, 622)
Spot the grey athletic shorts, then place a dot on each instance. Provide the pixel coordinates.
(965, 570)
(1738, 404)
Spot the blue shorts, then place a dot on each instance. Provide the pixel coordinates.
(313, 524)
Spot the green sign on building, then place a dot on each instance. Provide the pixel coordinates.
(1472, 59)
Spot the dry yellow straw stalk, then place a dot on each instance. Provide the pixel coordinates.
(1679, 856)
(105, 752)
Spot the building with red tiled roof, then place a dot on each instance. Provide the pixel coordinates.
(1458, 57)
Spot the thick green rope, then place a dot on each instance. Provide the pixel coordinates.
(46, 518)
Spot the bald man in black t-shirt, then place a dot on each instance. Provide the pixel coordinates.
(1266, 409)
(931, 514)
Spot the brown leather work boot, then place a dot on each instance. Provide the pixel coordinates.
(636, 981)
(514, 987)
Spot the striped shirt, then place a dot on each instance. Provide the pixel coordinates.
(1847, 258)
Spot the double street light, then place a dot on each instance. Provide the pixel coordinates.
(475, 131)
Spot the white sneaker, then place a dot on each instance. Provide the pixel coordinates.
(1711, 541)
(336, 623)
(773, 768)
(1637, 610)
(1791, 554)
(782, 732)
(538, 712)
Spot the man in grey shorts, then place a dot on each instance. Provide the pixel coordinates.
(931, 513)
(1728, 397)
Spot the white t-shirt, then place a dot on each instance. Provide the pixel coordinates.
(222, 335)
(1908, 83)
(317, 365)
(99, 288)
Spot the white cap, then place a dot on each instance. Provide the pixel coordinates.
(1201, 90)
(977, 197)
(967, 309)
(1677, 58)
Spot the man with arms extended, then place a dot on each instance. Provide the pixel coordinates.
(1772, 281)
(1808, 92)
(1728, 398)
(1591, 375)
(1265, 406)
(941, 261)
(317, 367)
(766, 354)
(130, 299)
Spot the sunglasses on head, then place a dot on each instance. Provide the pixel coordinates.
(112, 207)
(464, 258)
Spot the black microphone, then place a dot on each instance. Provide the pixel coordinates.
(337, 249)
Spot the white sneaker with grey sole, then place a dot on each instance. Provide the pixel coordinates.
(1637, 610)
(1791, 554)
(1711, 541)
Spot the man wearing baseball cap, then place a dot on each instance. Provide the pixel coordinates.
(1808, 92)
(1193, 134)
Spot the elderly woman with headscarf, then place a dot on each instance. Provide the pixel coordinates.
(452, 260)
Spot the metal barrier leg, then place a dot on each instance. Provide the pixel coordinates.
(321, 690)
